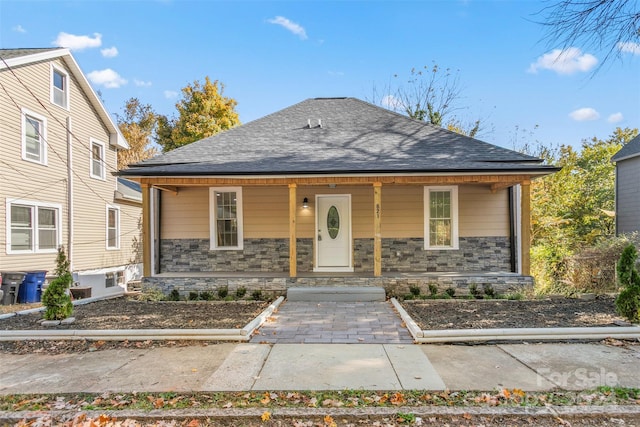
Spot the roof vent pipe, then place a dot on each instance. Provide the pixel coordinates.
(319, 123)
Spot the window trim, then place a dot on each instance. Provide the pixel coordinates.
(35, 236)
(56, 69)
(43, 136)
(118, 225)
(453, 189)
(103, 162)
(213, 242)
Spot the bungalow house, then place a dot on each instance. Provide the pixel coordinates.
(333, 191)
(627, 162)
(57, 158)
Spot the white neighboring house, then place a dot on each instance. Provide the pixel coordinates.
(58, 152)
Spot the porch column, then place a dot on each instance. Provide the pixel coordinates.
(377, 229)
(146, 230)
(525, 235)
(292, 231)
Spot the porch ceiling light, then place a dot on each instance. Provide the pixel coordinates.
(305, 203)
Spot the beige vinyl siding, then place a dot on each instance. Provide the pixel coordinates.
(266, 211)
(48, 184)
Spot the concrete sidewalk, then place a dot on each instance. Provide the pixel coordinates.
(233, 367)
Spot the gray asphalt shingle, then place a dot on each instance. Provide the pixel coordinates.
(354, 137)
(631, 149)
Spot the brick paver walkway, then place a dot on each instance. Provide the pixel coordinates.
(334, 322)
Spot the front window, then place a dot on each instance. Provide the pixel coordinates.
(59, 88)
(33, 227)
(226, 218)
(97, 160)
(33, 137)
(441, 217)
(113, 228)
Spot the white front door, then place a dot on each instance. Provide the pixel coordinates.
(333, 237)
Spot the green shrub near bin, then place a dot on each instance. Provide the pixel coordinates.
(57, 302)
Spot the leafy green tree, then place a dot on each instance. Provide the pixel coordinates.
(137, 125)
(573, 208)
(203, 111)
(57, 302)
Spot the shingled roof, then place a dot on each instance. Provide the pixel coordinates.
(631, 149)
(336, 136)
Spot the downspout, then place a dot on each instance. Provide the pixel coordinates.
(70, 211)
(512, 231)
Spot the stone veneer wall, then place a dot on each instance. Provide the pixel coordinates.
(194, 255)
(486, 254)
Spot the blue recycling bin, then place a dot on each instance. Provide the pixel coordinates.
(31, 287)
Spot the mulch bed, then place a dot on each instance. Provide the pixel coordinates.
(554, 312)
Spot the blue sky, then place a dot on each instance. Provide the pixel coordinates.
(270, 55)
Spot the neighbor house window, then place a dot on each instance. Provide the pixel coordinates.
(97, 160)
(34, 136)
(441, 217)
(32, 227)
(226, 217)
(59, 87)
(109, 280)
(113, 228)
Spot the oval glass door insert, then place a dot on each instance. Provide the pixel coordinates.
(333, 222)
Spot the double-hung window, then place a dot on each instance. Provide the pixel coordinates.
(225, 205)
(59, 87)
(441, 217)
(113, 227)
(34, 137)
(97, 166)
(32, 227)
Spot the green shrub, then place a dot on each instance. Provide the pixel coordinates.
(241, 292)
(257, 295)
(206, 296)
(628, 301)
(433, 289)
(473, 290)
(450, 291)
(408, 297)
(58, 305)
(174, 295)
(415, 290)
(488, 290)
(194, 296)
(223, 291)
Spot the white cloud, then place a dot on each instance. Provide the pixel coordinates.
(615, 118)
(296, 29)
(629, 47)
(141, 83)
(567, 61)
(170, 94)
(107, 78)
(19, 29)
(584, 114)
(110, 52)
(78, 43)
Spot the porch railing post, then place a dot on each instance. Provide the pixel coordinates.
(292, 231)
(377, 229)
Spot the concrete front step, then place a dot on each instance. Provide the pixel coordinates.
(336, 293)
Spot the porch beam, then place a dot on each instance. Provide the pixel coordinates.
(292, 231)
(525, 235)
(501, 185)
(337, 180)
(146, 230)
(377, 229)
(169, 188)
